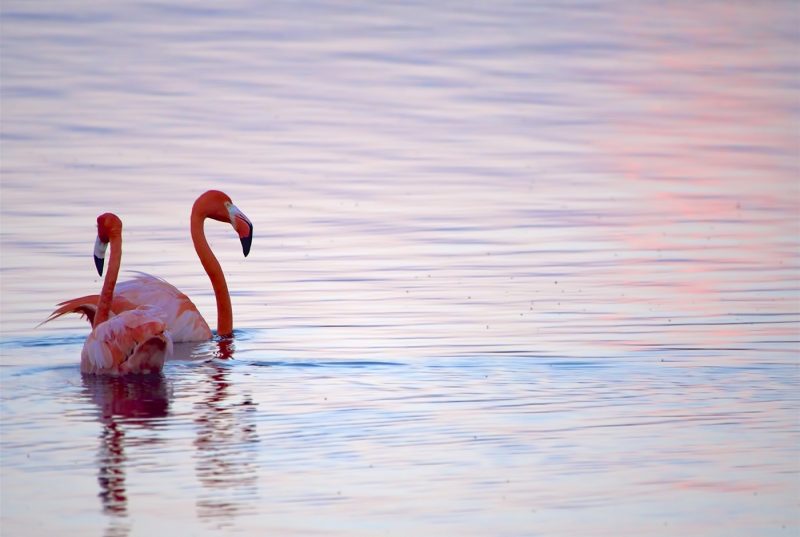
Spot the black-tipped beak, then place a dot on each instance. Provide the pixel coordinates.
(242, 225)
(99, 254)
(99, 262)
(247, 240)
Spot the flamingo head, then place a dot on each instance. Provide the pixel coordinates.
(109, 226)
(218, 206)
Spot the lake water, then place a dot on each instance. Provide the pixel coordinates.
(519, 268)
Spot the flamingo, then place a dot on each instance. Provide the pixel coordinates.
(182, 317)
(133, 341)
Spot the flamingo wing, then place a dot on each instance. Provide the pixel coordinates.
(86, 306)
(135, 341)
(181, 315)
(182, 318)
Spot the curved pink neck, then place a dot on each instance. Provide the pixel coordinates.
(107, 293)
(214, 271)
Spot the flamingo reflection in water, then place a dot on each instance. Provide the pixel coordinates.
(123, 403)
(226, 443)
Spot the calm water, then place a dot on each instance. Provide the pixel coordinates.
(521, 269)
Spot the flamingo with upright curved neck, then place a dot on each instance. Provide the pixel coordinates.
(135, 340)
(183, 319)
(218, 206)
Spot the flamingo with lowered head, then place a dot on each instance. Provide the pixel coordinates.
(182, 318)
(133, 341)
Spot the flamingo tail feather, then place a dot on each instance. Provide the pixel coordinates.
(86, 306)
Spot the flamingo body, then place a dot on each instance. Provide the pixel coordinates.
(134, 341)
(179, 313)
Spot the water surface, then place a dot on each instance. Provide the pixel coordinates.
(518, 269)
